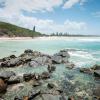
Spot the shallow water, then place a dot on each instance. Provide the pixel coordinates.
(83, 52)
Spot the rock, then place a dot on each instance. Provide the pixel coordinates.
(50, 85)
(18, 98)
(11, 63)
(45, 75)
(32, 94)
(3, 86)
(96, 67)
(70, 65)
(27, 77)
(97, 73)
(36, 83)
(15, 87)
(96, 92)
(64, 53)
(56, 59)
(37, 76)
(28, 51)
(51, 68)
(86, 70)
(12, 56)
(50, 97)
(13, 80)
(33, 64)
(25, 98)
(6, 75)
(71, 98)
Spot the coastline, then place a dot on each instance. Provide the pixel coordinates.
(50, 38)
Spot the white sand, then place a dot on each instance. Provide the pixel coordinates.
(51, 38)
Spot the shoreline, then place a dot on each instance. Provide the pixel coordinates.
(50, 38)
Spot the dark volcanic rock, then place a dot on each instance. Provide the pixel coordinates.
(3, 86)
(7, 74)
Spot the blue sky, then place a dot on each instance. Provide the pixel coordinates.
(72, 16)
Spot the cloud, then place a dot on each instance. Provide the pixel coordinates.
(96, 14)
(70, 3)
(12, 13)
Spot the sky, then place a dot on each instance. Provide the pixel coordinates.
(51, 16)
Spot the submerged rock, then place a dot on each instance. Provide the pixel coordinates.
(3, 86)
(6, 75)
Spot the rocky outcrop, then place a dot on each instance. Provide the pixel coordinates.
(3, 86)
(97, 73)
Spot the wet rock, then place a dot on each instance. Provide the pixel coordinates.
(3, 86)
(86, 70)
(50, 85)
(36, 76)
(57, 59)
(96, 92)
(96, 67)
(51, 68)
(11, 63)
(45, 75)
(36, 83)
(32, 94)
(28, 51)
(97, 73)
(64, 53)
(33, 64)
(70, 65)
(12, 56)
(6, 75)
(13, 80)
(27, 77)
(15, 87)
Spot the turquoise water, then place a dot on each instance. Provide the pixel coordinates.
(84, 53)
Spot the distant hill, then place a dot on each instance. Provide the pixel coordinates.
(7, 29)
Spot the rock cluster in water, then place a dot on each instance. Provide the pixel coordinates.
(52, 91)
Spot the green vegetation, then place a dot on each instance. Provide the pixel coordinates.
(10, 30)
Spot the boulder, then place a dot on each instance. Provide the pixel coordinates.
(51, 68)
(45, 75)
(96, 67)
(6, 75)
(96, 92)
(64, 53)
(3, 86)
(97, 73)
(13, 80)
(28, 51)
(56, 59)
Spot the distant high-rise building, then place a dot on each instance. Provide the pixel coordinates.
(34, 29)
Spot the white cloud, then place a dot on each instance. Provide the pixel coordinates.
(12, 13)
(70, 3)
(96, 14)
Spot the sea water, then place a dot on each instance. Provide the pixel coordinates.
(84, 52)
